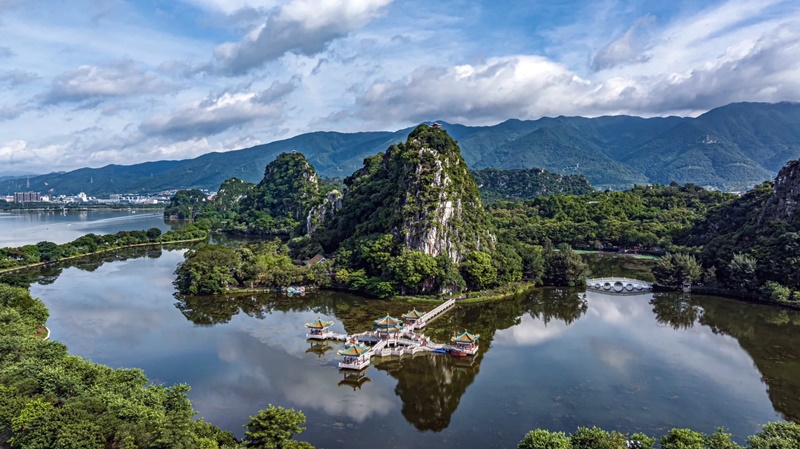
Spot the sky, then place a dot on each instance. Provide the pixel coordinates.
(87, 83)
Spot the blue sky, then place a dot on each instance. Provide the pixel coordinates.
(94, 82)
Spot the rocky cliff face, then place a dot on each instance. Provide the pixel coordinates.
(442, 201)
(785, 202)
(419, 191)
(321, 214)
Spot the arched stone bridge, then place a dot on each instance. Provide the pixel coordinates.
(618, 285)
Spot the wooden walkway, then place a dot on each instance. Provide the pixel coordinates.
(405, 342)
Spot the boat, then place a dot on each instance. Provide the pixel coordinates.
(439, 351)
(296, 290)
(458, 353)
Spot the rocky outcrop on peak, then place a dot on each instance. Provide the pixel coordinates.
(289, 186)
(420, 191)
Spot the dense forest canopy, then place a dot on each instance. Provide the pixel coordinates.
(527, 183)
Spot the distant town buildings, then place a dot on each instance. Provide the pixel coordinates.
(27, 197)
(83, 198)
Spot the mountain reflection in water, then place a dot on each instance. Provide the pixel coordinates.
(550, 358)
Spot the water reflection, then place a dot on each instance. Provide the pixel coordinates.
(430, 387)
(553, 358)
(675, 310)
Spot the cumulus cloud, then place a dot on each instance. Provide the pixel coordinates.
(218, 113)
(629, 48)
(528, 86)
(90, 82)
(300, 26)
(510, 86)
(20, 153)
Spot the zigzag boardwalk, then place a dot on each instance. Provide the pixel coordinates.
(391, 338)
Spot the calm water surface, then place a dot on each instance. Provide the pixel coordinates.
(30, 227)
(551, 358)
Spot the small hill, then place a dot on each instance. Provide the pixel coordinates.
(525, 184)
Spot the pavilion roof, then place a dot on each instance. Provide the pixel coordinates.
(355, 350)
(392, 328)
(466, 337)
(414, 314)
(319, 324)
(387, 321)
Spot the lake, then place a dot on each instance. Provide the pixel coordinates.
(19, 228)
(550, 358)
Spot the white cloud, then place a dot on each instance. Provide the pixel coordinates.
(19, 153)
(530, 86)
(218, 113)
(90, 82)
(300, 26)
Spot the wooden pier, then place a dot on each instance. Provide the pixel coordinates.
(399, 341)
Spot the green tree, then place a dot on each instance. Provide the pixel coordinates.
(564, 267)
(596, 438)
(30, 309)
(776, 435)
(543, 439)
(154, 234)
(720, 440)
(742, 272)
(672, 270)
(48, 251)
(414, 271)
(776, 292)
(274, 428)
(207, 270)
(478, 270)
(683, 439)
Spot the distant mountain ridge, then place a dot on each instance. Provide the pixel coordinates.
(731, 147)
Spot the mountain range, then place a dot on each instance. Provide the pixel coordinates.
(730, 147)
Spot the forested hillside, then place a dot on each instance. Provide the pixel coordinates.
(750, 247)
(731, 147)
(524, 184)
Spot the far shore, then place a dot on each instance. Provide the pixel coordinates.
(107, 250)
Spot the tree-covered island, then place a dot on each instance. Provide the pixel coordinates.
(411, 221)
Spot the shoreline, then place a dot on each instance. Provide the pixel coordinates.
(108, 250)
(465, 298)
